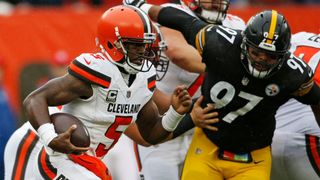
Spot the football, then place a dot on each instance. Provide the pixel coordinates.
(63, 121)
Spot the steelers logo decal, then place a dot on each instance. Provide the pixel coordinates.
(272, 90)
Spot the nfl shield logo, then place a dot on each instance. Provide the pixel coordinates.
(128, 94)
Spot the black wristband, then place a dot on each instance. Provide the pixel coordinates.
(184, 125)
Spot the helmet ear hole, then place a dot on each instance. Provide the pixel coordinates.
(110, 46)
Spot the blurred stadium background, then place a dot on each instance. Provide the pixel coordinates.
(38, 35)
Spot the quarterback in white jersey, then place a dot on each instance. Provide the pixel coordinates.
(108, 92)
(295, 147)
(165, 160)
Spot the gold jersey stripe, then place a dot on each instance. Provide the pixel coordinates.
(200, 39)
(304, 88)
(272, 26)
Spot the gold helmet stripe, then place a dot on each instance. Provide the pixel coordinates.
(272, 28)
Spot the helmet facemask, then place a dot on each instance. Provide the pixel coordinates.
(260, 68)
(161, 66)
(161, 61)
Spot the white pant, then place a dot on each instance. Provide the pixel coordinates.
(29, 147)
(121, 160)
(292, 158)
(165, 161)
(24, 158)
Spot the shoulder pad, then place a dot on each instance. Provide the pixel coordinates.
(91, 68)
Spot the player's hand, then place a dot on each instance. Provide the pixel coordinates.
(181, 100)
(136, 3)
(204, 117)
(62, 143)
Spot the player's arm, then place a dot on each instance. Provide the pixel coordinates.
(177, 19)
(154, 128)
(199, 117)
(56, 92)
(309, 93)
(180, 52)
(162, 100)
(133, 133)
(313, 98)
(173, 18)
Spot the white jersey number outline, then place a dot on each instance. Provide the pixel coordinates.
(227, 91)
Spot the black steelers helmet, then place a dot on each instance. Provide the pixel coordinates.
(267, 32)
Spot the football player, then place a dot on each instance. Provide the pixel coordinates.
(108, 91)
(295, 143)
(123, 154)
(248, 76)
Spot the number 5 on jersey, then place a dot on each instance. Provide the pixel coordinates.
(113, 132)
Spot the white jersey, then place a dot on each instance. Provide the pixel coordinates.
(113, 105)
(289, 116)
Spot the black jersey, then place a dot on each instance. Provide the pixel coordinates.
(246, 105)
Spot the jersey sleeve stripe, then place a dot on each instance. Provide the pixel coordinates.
(304, 88)
(78, 70)
(47, 171)
(200, 39)
(23, 153)
(152, 83)
(193, 88)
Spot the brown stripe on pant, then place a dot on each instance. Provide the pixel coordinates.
(23, 153)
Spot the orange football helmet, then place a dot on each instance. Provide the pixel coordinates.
(121, 25)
